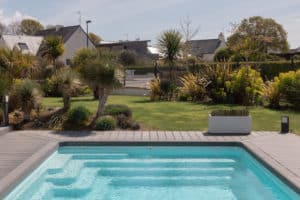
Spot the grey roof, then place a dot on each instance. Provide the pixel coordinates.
(64, 32)
(199, 47)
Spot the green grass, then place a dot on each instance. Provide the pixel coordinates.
(182, 115)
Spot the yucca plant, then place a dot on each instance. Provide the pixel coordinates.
(27, 95)
(102, 73)
(68, 80)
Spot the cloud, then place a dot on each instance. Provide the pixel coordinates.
(16, 17)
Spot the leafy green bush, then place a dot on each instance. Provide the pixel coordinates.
(106, 123)
(289, 87)
(78, 115)
(117, 109)
(242, 112)
(223, 55)
(246, 86)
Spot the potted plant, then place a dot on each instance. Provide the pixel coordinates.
(229, 122)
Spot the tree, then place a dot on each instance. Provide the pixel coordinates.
(14, 28)
(94, 38)
(223, 55)
(52, 47)
(127, 58)
(170, 46)
(30, 26)
(100, 73)
(67, 79)
(254, 37)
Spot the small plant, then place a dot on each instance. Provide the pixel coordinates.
(78, 116)
(117, 109)
(135, 126)
(271, 93)
(242, 112)
(124, 122)
(106, 123)
(193, 87)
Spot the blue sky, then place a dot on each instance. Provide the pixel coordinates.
(146, 19)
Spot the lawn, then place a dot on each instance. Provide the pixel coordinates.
(182, 115)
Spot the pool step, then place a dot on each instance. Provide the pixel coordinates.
(169, 181)
(170, 172)
(133, 163)
(98, 156)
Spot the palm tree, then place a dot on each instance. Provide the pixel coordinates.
(101, 73)
(67, 79)
(170, 45)
(52, 47)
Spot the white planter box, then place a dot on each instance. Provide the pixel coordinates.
(229, 125)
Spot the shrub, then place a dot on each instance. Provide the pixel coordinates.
(155, 91)
(289, 87)
(167, 88)
(106, 123)
(193, 87)
(117, 109)
(135, 126)
(78, 115)
(218, 78)
(242, 112)
(124, 122)
(26, 94)
(223, 55)
(246, 86)
(271, 93)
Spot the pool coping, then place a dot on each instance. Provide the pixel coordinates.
(16, 176)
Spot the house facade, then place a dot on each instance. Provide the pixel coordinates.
(139, 47)
(26, 44)
(206, 49)
(74, 38)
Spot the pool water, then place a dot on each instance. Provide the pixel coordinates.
(152, 173)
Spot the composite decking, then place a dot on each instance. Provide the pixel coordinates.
(22, 151)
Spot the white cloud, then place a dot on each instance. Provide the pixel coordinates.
(16, 17)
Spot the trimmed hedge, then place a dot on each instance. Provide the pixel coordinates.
(268, 70)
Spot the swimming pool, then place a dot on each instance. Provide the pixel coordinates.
(150, 173)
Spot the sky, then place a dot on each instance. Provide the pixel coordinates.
(117, 20)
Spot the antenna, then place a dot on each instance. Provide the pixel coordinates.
(79, 17)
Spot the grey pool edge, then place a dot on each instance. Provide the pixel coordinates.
(9, 182)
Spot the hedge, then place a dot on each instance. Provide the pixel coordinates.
(268, 70)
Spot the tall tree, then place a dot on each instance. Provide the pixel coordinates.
(52, 47)
(170, 45)
(95, 38)
(30, 26)
(254, 37)
(100, 73)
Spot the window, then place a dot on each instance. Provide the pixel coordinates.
(23, 46)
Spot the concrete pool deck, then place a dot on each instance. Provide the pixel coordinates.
(22, 151)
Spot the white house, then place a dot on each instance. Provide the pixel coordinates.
(27, 44)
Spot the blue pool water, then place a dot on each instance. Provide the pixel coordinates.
(152, 173)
